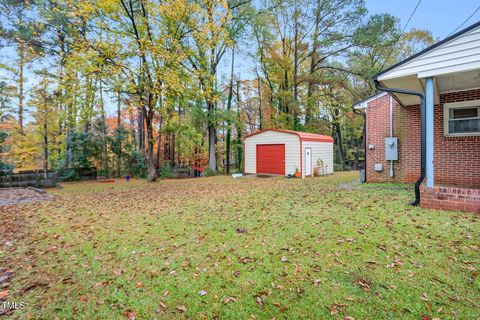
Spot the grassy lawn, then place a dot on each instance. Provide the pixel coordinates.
(242, 248)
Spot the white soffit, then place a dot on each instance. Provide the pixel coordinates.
(458, 81)
(409, 83)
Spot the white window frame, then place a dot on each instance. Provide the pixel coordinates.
(446, 116)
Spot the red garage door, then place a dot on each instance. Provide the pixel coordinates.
(271, 158)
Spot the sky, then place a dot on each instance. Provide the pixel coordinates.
(441, 17)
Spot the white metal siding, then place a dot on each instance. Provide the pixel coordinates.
(292, 149)
(320, 151)
(459, 54)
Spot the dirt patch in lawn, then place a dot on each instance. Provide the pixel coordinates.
(15, 196)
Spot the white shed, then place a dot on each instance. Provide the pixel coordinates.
(275, 151)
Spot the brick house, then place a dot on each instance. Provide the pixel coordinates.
(423, 126)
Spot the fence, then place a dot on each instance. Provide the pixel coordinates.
(41, 178)
(30, 178)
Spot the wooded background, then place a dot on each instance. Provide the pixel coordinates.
(140, 86)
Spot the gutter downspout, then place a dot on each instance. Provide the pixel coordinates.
(364, 115)
(423, 147)
(391, 132)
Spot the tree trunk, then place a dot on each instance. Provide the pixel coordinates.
(172, 145)
(159, 144)
(260, 111)
(119, 141)
(152, 173)
(341, 154)
(141, 130)
(239, 132)
(284, 106)
(296, 120)
(104, 132)
(133, 132)
(119, 110)
(212, 158)
(166, 148)
(357, 155)
(313, 60)
(21, 54)
(45, 145)
(229, 124)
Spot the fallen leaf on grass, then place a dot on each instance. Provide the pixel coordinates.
(316, 282)
(229, 299)
(334, 308)
(182, 309)
(3, 294)
(364, 285)
(299, 291)
(130, 315)
(241, 230)
(280, 307)
(246, 260)
(163, 306)
(424, 297)
(395, 263)
(428, 307)
(259, 300)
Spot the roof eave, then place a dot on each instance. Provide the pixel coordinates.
(426, 50)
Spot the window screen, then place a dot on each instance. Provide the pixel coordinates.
(464, 120)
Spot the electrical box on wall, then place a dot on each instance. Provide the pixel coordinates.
(378, 167)
(391, 148)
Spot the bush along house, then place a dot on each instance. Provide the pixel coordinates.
(423, 125)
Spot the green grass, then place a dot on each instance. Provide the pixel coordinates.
(313, 248)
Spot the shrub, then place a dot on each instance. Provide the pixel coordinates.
(70, 175)
(166, 171)
(136, 164)
(209, 172)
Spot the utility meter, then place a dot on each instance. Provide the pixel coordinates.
(391, 148)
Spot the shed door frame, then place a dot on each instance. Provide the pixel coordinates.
(308, 161)
(280, 166)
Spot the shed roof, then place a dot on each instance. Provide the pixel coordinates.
(304, 136)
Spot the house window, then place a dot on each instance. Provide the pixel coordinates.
(462, 119)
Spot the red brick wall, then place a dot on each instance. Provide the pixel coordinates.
(450, 198)
(406, 126)
(457, 159)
